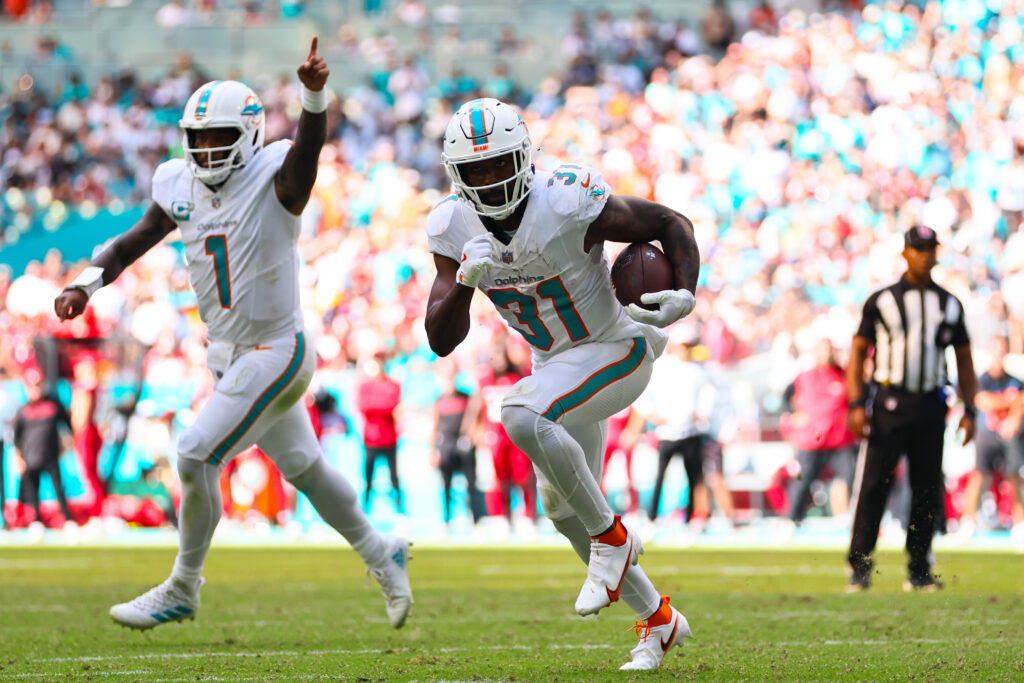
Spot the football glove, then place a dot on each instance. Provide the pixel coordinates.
(476, 260)
(673, 304)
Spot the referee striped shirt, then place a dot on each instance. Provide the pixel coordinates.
(910, 329)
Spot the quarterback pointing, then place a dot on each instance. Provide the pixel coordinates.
(237, 204)
(533, 243)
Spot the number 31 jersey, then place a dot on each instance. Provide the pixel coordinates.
(240, 246)
(543, 283)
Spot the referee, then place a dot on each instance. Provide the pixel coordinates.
(909, 325)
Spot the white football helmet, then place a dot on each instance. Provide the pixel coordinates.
(223, 104)
(485, 129)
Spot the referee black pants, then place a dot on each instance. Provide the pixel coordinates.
(692, 452)
(900, 424)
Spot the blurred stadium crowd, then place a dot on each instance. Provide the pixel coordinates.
(800, 145)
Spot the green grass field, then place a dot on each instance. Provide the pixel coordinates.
(494, 614)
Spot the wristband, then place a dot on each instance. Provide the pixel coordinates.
(858, 403)
(314, 101)
(970, 411)
(89, 280)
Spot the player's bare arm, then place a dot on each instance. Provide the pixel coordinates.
(631, 219)
(295, 179)
(126, 249)
(447, 319)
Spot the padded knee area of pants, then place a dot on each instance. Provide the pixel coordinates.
(295, 463)
(555, 506)
(192, 470)
(561, 461)
(521, 425)
(306, 477)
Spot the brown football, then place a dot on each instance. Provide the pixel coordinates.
(638, 269)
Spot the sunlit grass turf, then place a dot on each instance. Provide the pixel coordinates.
(506, 614)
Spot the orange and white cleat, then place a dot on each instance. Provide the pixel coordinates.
(659, 633)
(611, 554)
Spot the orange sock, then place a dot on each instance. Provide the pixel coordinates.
(662, 616)
(617, 536)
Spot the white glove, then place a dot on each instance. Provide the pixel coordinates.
(673, 304)
(476, 260)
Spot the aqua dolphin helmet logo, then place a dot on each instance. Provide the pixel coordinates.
(252, 109)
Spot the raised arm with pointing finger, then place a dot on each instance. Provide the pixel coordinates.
(221, 135)
(237, 203)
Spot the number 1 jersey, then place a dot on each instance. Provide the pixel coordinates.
(240, 247)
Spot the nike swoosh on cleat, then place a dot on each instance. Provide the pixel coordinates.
(671, 638)
(613, 595)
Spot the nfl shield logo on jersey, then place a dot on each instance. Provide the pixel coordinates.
(215, 202)
(506, 257)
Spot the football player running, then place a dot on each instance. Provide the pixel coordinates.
(533, 243)
(237, 204)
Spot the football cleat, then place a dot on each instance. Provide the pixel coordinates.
(610, 557)
(658, 634)
(393, 579)
(925, 583)
(170, 601)
(858, 583)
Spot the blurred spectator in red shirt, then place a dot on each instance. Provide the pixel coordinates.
(817, 429)
(621, 441)
(252, 488)
(512, 467)
(377, 400)
(15, 9)
(88, 440)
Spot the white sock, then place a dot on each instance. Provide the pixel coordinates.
(336, 501)
(637, 589)
(197, 519)
(562, 461)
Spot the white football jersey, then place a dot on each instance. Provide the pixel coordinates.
(544, 284)
(240, 245)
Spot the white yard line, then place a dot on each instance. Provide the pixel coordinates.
(296, 653)
(598, 646)
(83, 673)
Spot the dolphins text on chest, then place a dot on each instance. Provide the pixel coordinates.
(215, 225)
(518, 279)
